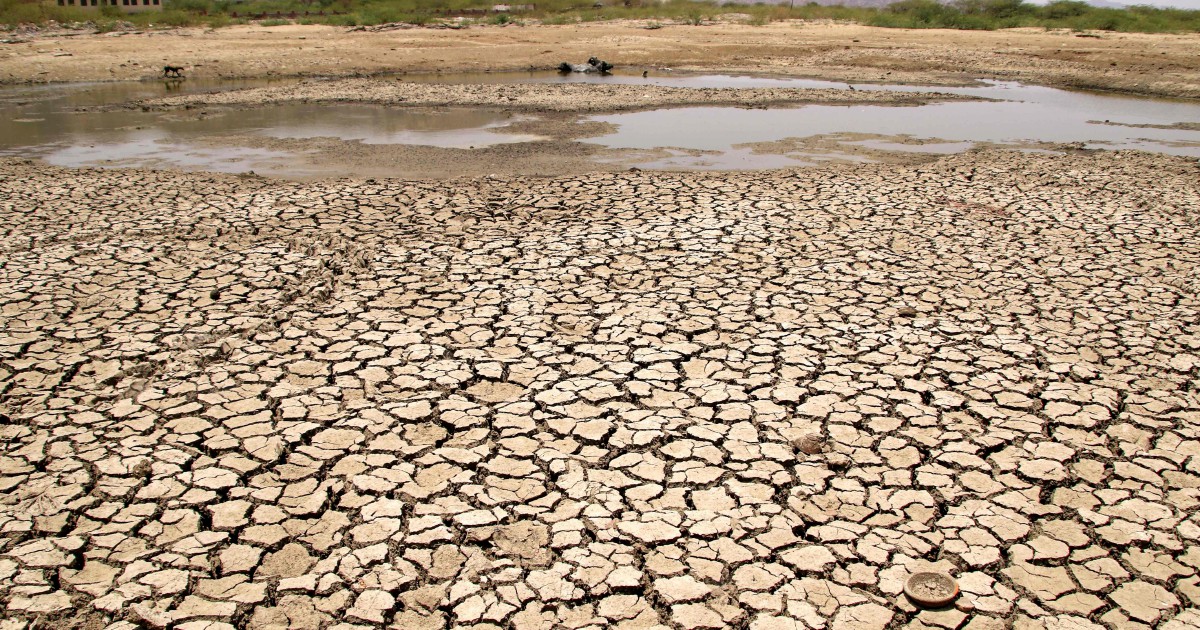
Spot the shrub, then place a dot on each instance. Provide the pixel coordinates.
(1064, 9)
(962, 14)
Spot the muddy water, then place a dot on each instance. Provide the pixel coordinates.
(1019, 116)
(43, 122)
(1022, 116)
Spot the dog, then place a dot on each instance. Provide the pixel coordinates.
(172, 71)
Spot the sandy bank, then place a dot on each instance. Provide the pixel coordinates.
(581, 98)
(1164, 65)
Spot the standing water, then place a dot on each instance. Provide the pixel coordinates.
(1018, 116)
(44, 122)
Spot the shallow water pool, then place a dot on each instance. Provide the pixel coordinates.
(1018, 115)
(44, 122)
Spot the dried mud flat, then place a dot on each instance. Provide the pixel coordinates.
(1160, 65)
(756, 400)
(537, 97)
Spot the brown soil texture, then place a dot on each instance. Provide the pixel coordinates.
(610, 400)
(539, 97)
(1165, 65)
(605, 399)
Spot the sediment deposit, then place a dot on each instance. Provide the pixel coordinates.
(538, 97)
(1149, 64)
(628, 400)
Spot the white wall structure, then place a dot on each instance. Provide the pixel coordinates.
(126, 6)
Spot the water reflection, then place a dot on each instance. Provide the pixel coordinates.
(1025, 115)
(152, 149)
(1019, 116)
(45, 121)
(454, 128)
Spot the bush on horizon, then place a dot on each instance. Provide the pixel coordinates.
(955, 14)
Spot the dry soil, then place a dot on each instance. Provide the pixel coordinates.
(1146, 64)
(604, 400)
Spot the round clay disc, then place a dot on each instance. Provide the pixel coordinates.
(931, 590)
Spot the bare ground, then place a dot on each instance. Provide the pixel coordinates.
(1164, 65)
(637, 400)
(538, 97)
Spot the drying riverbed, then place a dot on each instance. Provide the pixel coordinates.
(398, 123)
(627, 400)
(1156, 65)
(544, 123)
(634, 399)
(537, 97)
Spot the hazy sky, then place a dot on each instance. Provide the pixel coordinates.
(1178, 4)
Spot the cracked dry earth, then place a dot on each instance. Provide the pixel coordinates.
(635, 400)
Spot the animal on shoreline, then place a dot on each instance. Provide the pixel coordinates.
(600, 64)
(593, 65)
(172, 71)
